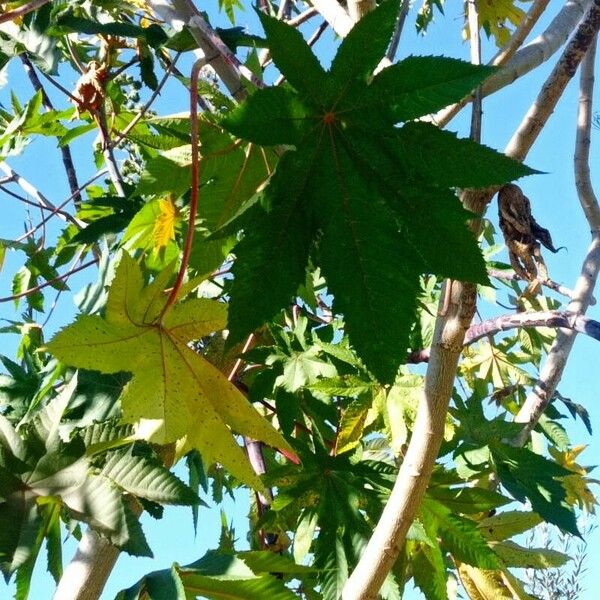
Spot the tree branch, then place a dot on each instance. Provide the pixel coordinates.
(552, 90)
(391, 51)
(65, 150)
(335, 14)
(552, 285)
(29, 189)
(525, 60)
(389, 535)
(180, 13)
(541, 394)
(22, 10)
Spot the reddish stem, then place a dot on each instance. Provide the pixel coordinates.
(187, 249)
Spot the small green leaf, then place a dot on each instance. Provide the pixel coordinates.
(148, 479)
(352, 423)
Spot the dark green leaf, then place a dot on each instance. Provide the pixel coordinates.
(153, 34)
(369, 195)
(273, 255)
(294, 58)
(270, 116)
(429, 572)
(147, 478)
(529, 476)
(419, 85)
(441, 158)
(362, 49)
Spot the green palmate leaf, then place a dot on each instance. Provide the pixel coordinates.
(277, 115)
(362, 193)
(346, 386)
(53, 541)
(529, 476)
(153, 34)
(174, 393)
(302, 369)
(275, 254)
(294, 58)
(100, 503)
(468, 500)
(219, 575)
(364, 46)
(327, 496)
(269, 562)
(164, 585)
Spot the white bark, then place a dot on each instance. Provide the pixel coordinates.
(335, 14)
(85, 576)
(527, 58)
(390, 533)
(179, 13)
(556, 361)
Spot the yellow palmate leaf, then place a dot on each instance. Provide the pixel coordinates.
(567, 458)
(174, 393)
(576, 485)
(496, 17)
(578, 492)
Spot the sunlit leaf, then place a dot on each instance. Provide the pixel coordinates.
(174, 392)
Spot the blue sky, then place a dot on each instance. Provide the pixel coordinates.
(554, 203)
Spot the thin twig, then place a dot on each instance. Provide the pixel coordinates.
(65, 150)
(539, 397)
(309, 13)
(187, 249)
(67, 216)
(393, 48)
(523, 61)
(57, 209)
(124, 67)
(148, 104)
(75, 261)
(22, 10)
(37, 288)
(552, 285)
(554, 319)
(58, 86)
(107, 151)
